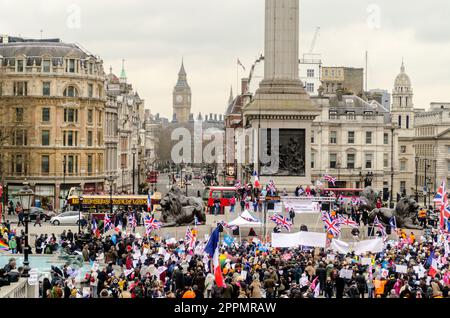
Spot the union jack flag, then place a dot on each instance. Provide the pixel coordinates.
(281, 220)
(271, 186)
(132, 220)
(346, 221)
(330, 179)
(107, 222)
(237, 184)
(332, 226)
(381, 227)
(151, 224)
(190, 239)
(439, 198)
(225, 224)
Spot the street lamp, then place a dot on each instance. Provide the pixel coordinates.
(391, 204)
(417, 176)
(425, 185)
(25, 197)
(134, 167)
(80, 199)
(111, 180)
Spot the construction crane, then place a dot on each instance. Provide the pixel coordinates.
(313, 44)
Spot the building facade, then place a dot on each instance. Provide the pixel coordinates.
(310, 67)
(348, 79)
(432, 146)
(52, 107)
(182, 98)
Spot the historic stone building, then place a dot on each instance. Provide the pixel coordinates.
(125, 143)
(182, 98)
(52, 107)
(432, 146)
(347, 79)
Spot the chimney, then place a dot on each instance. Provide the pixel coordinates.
(244, 85)
(210, 116)
(215, 117)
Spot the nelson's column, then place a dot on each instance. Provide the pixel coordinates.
(281, 103)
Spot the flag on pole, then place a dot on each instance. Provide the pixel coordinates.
(151, 224)
(240, 64)
(439, 198)
(330, 179)
(393, 223)
(346, 221)
(149, 202)
(118, 227)
(256, 180)
(281, 220)
(381, 227)
(132, 220)
(237, 184)
(107, 224)
(95, 229)
(331, 226)
(212, 249)
(190, 239)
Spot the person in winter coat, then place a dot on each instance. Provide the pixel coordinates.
(209, 283)
(255, 289)
(329, 286)
(361, 284)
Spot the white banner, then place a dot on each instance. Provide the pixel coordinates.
(340, 246)
(300, 238)
(371, 246)
(301, 206)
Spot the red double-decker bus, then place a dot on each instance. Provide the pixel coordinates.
(152, 177)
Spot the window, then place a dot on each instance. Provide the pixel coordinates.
(313, 159)
(369, 158)
(310, 73)
(18, 164)
(368, 137)
(333, 115)
(403, 149)
(90, 116)
(70, 91)
(71, 66)
(89, 138)
(403, 165)
(400, 121)
(351, 137)
(70, 138)
(46, 66)
(350, 161)
(99, 117)
(333, 159)
(310, 87)
(45, 137)
(89, 164)
(20, 137)
(407, 122)
(333, 137)
(71, 164)
(46, 89)
(351, 115)
(402, 186)
(312, 136)
(70, 115)
(19, 65)
(91, 66)
(123, 160)
(20, 88)
(19, 114)
(99, 138)
(45, 114)
(90, 90)
(45, 164)
(386, 139)
(385, 160)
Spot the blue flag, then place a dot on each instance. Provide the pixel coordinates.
(393, 223)
(228, 240)
(212, 242)
(430, 259)
(114, 239)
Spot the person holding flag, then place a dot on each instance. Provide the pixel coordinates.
(256, 180)
(212, 250)
(107, 224)
(190, 239)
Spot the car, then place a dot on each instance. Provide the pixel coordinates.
(68, 218)
(44, 214)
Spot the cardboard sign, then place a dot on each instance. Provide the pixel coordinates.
(366, 261)
(402, 269)
(331, 257)
(384, 273)
(244, 275)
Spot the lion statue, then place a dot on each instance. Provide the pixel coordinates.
(177, 209)
(405, 214)
(368, 199)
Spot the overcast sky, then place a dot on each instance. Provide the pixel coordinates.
(153, 35)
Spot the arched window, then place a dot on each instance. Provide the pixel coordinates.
(70, 91)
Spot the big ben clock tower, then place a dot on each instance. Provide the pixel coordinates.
(182, 97)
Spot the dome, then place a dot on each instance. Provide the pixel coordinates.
(402, 79)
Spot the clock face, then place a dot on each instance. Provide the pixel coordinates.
(179, 98)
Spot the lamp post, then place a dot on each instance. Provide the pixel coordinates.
(80, 199)
(429, 192)
(25, 197)
(425, 184)
(134, 167)
(111, 180)
(417, 176)
(391, 205)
